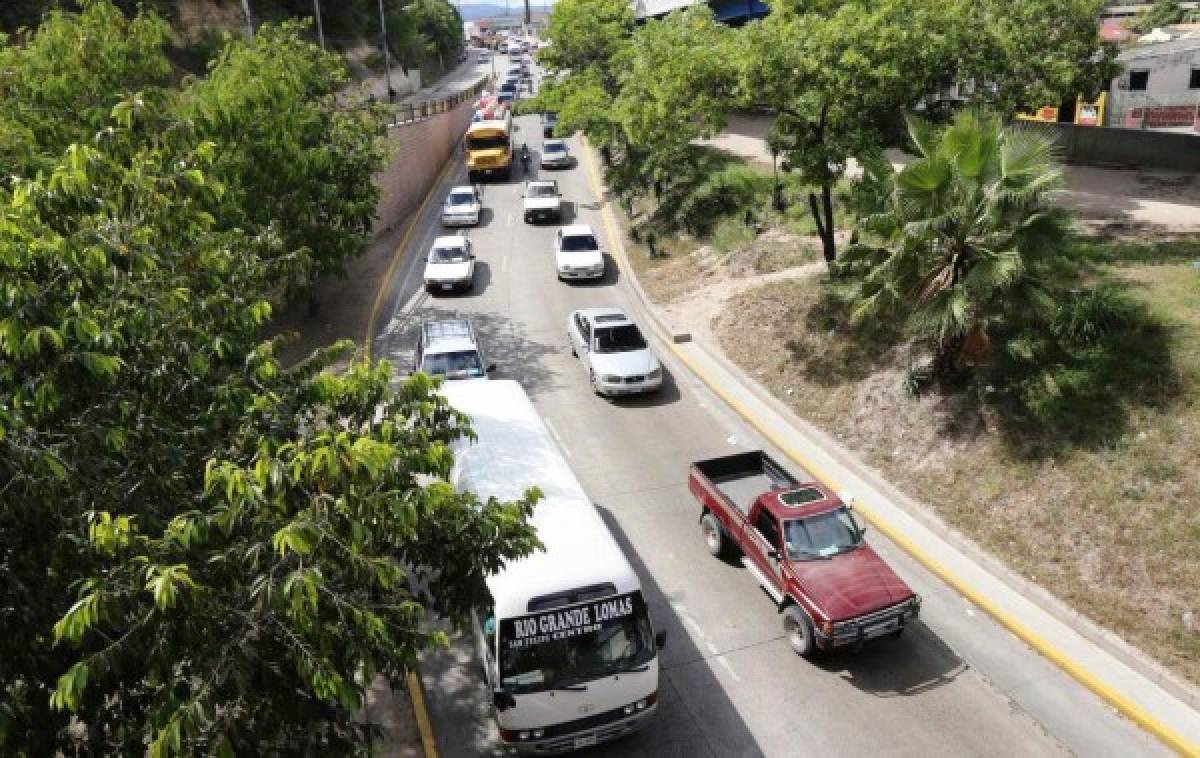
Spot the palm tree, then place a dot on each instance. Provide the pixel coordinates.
(959, 240)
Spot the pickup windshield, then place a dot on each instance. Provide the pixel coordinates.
(487, 143)
(821, 536)
(569, 646)
(619, 339)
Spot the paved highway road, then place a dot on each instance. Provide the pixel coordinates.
(955, 684)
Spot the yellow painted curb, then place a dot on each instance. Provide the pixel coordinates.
(369, 337)
(1087, 678)
(417, 694)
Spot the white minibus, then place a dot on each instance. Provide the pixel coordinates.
(567, 647)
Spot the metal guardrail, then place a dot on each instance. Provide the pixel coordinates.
(400, 114)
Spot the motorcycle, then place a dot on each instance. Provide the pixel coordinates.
(525, 157)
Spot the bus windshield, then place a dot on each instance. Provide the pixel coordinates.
(487, 141)
(571, 645)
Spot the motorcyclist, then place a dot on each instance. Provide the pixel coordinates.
(524, 156)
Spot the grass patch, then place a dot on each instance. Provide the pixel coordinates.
(731, 234)
(1076, 467)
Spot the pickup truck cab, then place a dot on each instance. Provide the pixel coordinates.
(805, 547)
(541, 201)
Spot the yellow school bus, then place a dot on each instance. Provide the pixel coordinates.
(489, 149)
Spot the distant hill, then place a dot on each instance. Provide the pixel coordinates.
(474, 11)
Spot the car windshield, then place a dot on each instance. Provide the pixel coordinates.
(542, 190)
(448, 255)
(464, 364)
(821, 536)
(487, 143)
(569, 646)
(551, 147)
(461, 198)
(619, 339)
(577, 243)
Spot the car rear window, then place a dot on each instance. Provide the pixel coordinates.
(461, 198)
(448, 255)
(578, 243)
(542, 190)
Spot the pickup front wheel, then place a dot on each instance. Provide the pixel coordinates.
(799, 630)
(714, 536)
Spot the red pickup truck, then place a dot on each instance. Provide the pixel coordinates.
(805, 547)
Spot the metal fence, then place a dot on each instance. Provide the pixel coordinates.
(399, 114)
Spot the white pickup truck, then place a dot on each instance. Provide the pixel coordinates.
(542, 201)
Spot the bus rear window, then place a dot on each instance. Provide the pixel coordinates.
(490, 142)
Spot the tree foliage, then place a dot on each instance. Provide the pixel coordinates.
(962, 239)
(200, 550)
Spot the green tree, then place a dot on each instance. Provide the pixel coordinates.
(293, 162)
(590, 40)
(1023, 54)
(963, 238)
(1162, 13)
(674, 91)
(200, 550)
(838, 75)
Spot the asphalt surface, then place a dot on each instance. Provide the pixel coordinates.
(955, 684)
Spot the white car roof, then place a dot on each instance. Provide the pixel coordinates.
(577, 230)
(609, 316)
(453, 240)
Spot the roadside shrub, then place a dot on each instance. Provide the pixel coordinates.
(727, 192)
(1086, 318)
(731, 234)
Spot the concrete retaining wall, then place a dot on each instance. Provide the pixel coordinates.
(419, 147)
(1128, 147)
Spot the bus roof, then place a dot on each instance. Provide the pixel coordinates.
(515, 451)
(496, 124)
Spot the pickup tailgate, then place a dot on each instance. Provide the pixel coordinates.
(737, 480)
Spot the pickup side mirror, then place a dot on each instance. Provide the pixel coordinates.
(660, 639)
(490, 368)
(503, 700)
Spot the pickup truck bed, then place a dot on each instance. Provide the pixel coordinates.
(743, 477)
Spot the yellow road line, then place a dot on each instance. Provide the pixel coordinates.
(1088, 679)
(369, 337)
(417, 694)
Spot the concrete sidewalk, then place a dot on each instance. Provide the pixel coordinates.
(1128, 682)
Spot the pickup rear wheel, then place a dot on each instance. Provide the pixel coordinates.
(799, 630)
(714, 536)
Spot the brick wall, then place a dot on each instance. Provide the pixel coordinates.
(418, 151)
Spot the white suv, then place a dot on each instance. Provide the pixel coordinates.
(450, 265)
(462, 207)
(614, 352)
(541, 201)
(449, 349)
(577, 255)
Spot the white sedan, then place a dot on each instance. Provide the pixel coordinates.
(555, 155)
(462, 207)
(450, 265)
(614, 352)
(577, 255)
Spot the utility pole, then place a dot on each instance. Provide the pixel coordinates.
(249, 21)
(387, 56)
(528, 18)
(320, 27)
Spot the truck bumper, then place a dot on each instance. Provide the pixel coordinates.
(872, 626)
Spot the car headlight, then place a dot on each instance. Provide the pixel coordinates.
(610, 378)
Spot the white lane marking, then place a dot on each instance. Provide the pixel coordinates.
(728, 667)
(557, 438)
(508, 220)
(504, 264)
(732, 440)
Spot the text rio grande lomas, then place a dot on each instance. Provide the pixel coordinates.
(568, 623)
